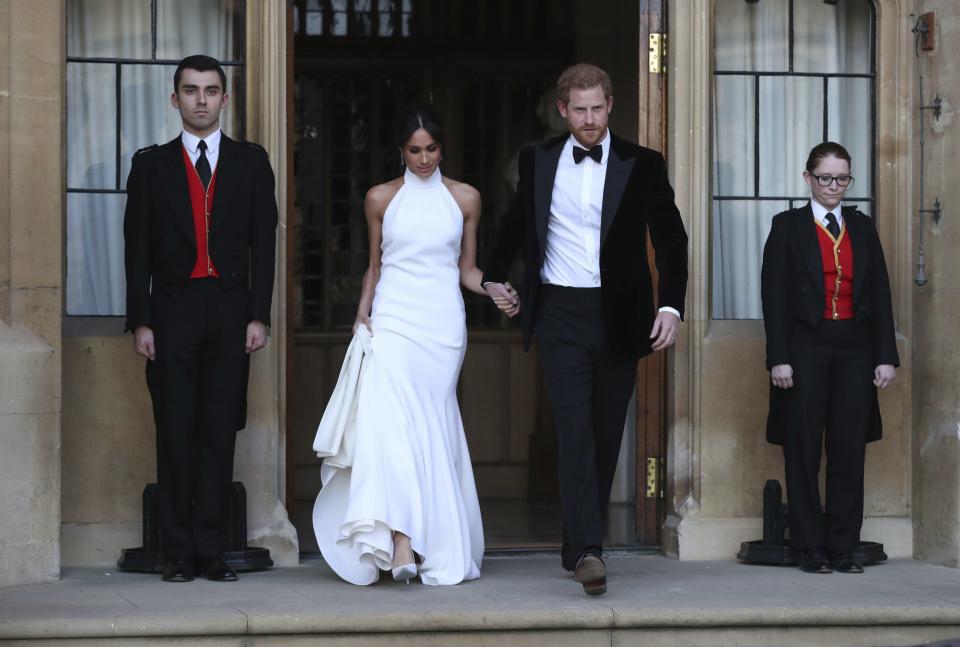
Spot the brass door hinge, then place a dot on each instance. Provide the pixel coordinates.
(655, 477)
(658, 53)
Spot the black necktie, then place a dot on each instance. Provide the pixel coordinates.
(596, 153)
(832, 225)
(203, 165)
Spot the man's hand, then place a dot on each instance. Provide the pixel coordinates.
(506, 298)
(256, 336)
(664, 331)
(782, 376)
(143, 342)
(884, 375)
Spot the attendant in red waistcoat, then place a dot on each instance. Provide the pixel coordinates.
(200, 234)
(830, 345)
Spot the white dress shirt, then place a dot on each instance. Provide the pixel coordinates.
(190, 142)
(572, 254)
(820, 213)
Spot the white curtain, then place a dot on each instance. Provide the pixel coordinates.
(754, 37)
(99, 138)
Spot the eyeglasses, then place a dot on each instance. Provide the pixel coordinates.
(827, 180)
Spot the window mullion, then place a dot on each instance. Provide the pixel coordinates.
(119, 119)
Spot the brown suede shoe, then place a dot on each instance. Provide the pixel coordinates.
(592, 573)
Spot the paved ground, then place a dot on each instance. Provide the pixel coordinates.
(515, 593)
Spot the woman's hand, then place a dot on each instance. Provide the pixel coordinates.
(782, 376)
(505, 297)
(884, 375)
(363, 320)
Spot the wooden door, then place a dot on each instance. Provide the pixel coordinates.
(651, 372)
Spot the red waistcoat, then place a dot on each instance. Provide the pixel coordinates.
(837, 256)
(201, 204)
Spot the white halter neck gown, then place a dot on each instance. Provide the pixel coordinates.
(411, 468)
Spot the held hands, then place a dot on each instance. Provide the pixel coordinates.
(506, 298)
(256, 336)
(782, 376)
(884, 375)
(664, 331)
(143, 342)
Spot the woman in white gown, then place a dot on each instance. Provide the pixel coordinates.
(409, 503)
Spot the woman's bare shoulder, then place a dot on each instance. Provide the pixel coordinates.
(466, 196)
(380, 195)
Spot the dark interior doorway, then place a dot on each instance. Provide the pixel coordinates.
(489, 68)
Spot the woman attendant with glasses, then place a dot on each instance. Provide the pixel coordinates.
(830, 345)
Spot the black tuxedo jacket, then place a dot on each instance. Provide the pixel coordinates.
(637, 197)
(792, 290)
(160, 244)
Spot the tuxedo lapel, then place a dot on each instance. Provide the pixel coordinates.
(618, 172)
(227, 178)
(174, 177)
(861, 259)
(544, 174)
(810, 246)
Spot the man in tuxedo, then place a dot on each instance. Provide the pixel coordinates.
(830, 343)
(583, 206)
(199, 231)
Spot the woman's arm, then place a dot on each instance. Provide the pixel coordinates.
(468, 199)
(471, 277)
(374, 206)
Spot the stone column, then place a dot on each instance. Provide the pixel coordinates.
(936, 314)
(31, 244)
(261, 447)
(688, 153)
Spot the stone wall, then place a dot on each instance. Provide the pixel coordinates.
(936, 320)
(31, 190)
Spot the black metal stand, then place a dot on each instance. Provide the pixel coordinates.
(774, 549)
(149, 557)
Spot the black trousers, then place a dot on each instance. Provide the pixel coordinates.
(197, 384)
(589, 389)
(828, 406)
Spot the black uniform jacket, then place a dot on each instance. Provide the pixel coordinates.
(792, 290)
(160, 244)
(637, 197)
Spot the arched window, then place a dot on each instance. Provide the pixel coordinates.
(788, 74)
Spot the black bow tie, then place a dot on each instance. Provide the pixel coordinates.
(595, 153)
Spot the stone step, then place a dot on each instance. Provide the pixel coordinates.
(520, 600)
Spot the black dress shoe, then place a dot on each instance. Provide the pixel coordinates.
(591, 572)
(814, 560)
(178, 570)
(216, 570)
(845, 562)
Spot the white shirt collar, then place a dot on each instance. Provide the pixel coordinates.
(604, 144)
(820, 212)
(191, 141)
